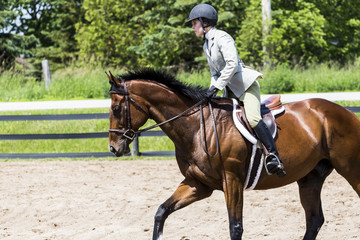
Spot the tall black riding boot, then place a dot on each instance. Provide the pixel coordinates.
(273, 163)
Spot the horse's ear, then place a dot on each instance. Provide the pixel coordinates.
(114, 79)
(110, 80)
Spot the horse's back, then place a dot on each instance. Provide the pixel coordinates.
(341, 133)
(336, 119)
(328, 112)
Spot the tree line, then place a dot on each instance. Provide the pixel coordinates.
(153, 33)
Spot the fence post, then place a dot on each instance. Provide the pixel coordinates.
(266, 21)
(46, 72)
(135, 147)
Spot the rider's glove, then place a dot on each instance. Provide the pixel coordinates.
(211, 92)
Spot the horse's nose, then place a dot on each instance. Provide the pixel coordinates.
(112, 149)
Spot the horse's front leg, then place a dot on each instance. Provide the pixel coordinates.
(188, 192)
(234, 196)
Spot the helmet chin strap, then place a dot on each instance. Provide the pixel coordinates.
(203, 27)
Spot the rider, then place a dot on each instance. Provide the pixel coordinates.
(229, 72)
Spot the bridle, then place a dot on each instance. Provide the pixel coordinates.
(129, 133)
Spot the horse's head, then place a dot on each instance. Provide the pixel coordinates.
(127, 114)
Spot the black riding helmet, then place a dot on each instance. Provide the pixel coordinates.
(204, 11)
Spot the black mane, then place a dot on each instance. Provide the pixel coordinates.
(195, 93)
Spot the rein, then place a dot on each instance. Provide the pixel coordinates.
(130, 134)
(203, 136)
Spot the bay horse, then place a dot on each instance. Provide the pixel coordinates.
(314, 137)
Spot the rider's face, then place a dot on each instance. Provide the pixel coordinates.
(196, 26)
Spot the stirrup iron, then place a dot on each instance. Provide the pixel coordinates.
(279, 168)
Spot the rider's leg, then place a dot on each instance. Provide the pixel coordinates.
(251, 100)
(273, 163)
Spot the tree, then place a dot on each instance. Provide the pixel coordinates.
(52, 22)
(342, 28)
(148, 33)
(12, 44)
(45, 29)
(297, 34)
(135, 33)
(315, 31)
(249, 38)
(57, 34)
(174, 43)
(108, 31)
(166, 39)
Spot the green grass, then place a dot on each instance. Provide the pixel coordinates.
(69, 83)
(348, 103)
(92, 83)
(317, 78)
(201, 78)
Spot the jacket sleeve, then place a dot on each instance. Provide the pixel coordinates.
(226, 45)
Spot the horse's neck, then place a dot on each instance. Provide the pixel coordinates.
(169, 108)
(164, 105)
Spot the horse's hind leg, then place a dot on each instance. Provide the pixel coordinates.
(351, 172)
(188, 192)
(310, 190)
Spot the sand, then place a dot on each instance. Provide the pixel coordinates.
(118, 199)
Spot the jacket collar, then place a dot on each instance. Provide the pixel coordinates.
(210, 35)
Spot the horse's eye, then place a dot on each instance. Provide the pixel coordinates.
(117, 110)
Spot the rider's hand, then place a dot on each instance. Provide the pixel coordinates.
(211, 92)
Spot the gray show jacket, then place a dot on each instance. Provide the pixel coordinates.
(226, 67)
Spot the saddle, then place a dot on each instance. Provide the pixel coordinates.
(270, 108)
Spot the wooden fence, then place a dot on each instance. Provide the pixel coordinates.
(134, 149)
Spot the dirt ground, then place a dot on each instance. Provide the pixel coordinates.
(78, 200)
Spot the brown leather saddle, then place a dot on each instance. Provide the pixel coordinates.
(270, 108)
